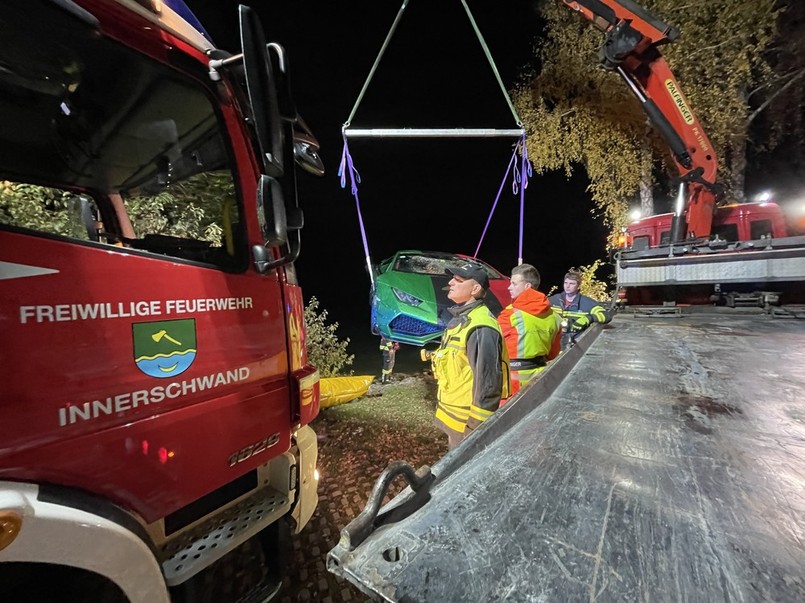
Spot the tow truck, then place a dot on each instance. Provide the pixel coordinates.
(661, 457)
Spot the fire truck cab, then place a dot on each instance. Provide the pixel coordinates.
(156, 391)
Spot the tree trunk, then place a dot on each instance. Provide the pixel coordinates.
(646, 184)
(739, 168)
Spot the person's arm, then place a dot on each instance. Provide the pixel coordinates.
(483, 351)
(600, 314)
(593, 312)
(510, 334)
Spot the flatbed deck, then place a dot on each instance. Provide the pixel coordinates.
(661, 459)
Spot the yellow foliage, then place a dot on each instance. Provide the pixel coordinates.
(577, 114)
(590, 285)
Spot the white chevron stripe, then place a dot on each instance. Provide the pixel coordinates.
(9, 270)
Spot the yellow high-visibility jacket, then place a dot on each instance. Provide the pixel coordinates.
(470, 383)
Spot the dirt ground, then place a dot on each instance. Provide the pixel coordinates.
(356, 442)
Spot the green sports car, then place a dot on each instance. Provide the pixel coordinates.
(409, 299)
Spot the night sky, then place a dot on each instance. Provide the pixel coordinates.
(432, 194)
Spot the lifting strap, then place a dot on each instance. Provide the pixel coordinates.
(347, 165)
(519, 182)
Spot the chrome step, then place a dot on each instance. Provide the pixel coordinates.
(211, 540)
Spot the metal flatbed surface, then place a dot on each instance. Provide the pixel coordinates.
(667, 465)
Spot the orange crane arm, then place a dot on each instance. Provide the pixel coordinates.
(633, 35)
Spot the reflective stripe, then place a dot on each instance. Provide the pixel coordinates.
(599, 313)
(453, 417)
(479, 413)
(518, 322)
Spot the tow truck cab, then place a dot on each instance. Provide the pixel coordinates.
(731, 223)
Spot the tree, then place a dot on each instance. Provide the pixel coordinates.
(777, 120)
(40, 208)
(195, 208)
(720, 58)
(579, 115)
(325, 350)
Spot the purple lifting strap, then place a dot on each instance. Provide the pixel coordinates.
(519, 182)
(522, 178)
(348, 167)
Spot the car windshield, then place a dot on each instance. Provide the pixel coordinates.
(435, 265)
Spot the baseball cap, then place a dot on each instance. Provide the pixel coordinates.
(469, 270)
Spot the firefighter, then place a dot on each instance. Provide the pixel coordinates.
(389, 350)
(577, 311)
(530, 328)
(471, 365)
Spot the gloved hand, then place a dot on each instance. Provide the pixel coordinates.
(580, 324)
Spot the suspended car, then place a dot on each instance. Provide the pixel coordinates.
(409, 300)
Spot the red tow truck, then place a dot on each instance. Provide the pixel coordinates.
(155, 442)
(754, 255)
(731, 223)
(658, 458)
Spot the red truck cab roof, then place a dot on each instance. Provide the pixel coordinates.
(733, 222)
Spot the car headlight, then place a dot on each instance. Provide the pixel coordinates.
(406, 298)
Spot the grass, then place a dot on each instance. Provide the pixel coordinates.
(409, 403)
(392, 422)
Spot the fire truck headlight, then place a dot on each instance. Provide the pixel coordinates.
(10, 525)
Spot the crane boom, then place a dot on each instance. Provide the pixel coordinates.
(633, 35)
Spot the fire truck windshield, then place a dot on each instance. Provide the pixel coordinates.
(84, 114)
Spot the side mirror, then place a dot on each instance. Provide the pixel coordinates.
(261, 86)
(82, 213)
(284, 139)
(281, 226)
(306, 153)
(264, 262)
(305, 145)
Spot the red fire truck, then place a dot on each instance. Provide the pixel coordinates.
(156, 393)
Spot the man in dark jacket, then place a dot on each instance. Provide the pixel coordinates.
(577, 311)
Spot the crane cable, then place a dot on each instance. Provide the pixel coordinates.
(347, 165)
